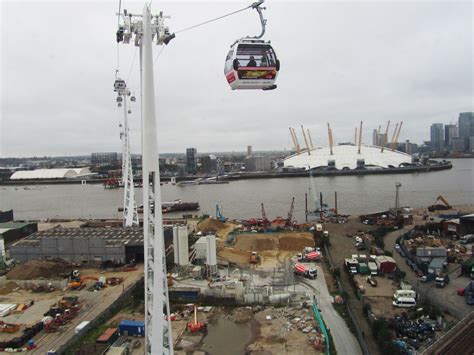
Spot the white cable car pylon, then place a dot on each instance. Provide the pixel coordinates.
(158, 339)
(130, 213)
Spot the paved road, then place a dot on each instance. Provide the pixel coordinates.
(344, 341)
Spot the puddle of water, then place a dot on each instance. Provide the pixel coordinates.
(226, 337)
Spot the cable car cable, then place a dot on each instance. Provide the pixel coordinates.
(215, 19)
(158, 55)
(133, 62)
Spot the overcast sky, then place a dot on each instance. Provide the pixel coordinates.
(341, 62)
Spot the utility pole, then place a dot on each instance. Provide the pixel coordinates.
(397, 198)
(144, 28)
(306, 206)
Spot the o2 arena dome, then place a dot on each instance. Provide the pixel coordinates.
(347, 157)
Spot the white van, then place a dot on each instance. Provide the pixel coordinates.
(404, 293)
(405, 302)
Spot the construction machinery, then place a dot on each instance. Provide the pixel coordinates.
(78, 283)
(8, 327)
(254, 258)
(438, 206)
(219, 215)
(195, 326)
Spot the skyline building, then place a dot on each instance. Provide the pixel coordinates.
(437, 137)
(450, 132)
(191, 161)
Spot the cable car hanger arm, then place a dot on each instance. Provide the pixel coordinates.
(255, 5)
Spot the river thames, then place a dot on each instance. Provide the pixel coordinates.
(242, 198)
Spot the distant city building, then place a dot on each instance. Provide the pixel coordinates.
(191, 161)
(380, 139)
(249, 150)
(437, 137)
(450, 132)
(258, 163)
(458, 144)
(410, 148)
(471, 144)
(209, 164)
(466, 128)
(466, 124)
(105, 159)
(375, 138)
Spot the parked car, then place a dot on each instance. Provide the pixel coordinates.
(397, 247)
(419, 273)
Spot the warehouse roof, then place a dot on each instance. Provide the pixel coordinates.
(126, 236)
(5, 227)
(50, 174)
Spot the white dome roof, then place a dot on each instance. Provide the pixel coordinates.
(346, 156)
(50, 173)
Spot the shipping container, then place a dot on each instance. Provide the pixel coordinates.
(132, 328)
(108, 337)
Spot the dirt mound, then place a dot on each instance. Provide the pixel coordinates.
(274, 241)
(291, 243)
(8, 288)
(36, 269)
(211, 225)
(266, 244)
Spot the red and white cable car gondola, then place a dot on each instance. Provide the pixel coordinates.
(251, 62)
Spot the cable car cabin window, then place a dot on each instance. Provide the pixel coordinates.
(228, 60)
(255, 56)
(256, 62)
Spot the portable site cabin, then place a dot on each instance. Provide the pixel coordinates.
(386, 264)
(132, 328)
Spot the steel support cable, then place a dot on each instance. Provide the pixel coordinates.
(133, 62)
(215, 19)
(202, 24)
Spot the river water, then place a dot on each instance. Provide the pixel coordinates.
(242, 198)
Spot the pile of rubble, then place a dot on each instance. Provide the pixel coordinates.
(298, 317)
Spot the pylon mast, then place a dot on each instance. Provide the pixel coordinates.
(310, 139)
(306, 141)
(385, 138)
(158, 338)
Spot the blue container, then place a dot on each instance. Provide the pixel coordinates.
(132, 328)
